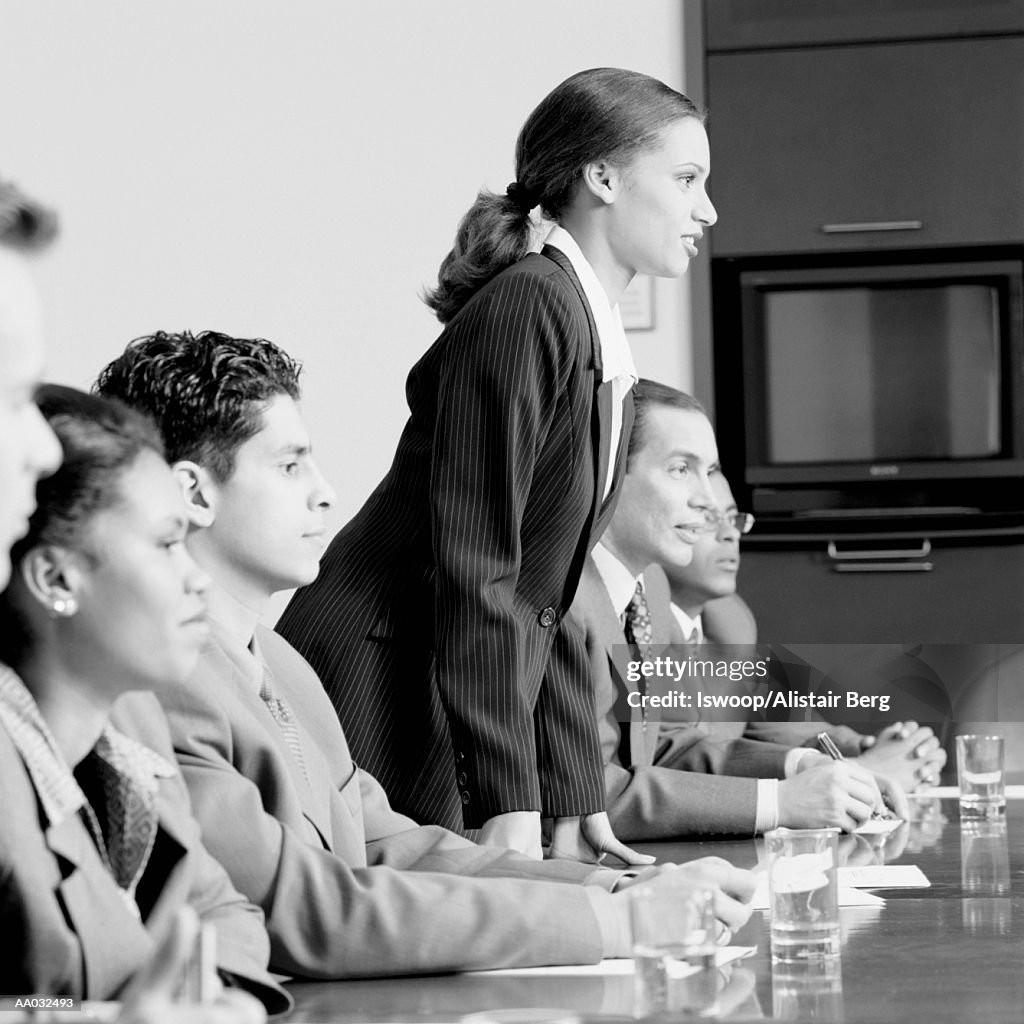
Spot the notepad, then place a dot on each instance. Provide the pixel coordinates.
(878, 826)
(848, 896)
(884, 876)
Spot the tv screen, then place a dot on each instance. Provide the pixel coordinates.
(875, 382)
(880, 374)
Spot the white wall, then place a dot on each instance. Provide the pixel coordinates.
(294, 170)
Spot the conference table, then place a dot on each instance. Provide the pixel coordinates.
(951, 952)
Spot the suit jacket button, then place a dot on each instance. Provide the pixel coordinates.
(463, 778)
(548, 617)
(465, 798)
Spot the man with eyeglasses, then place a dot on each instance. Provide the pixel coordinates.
(712, 573)
(707, 608)
(668, 779)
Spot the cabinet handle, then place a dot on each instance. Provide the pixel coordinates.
(883, 567)
(871, 225)
(835, 554)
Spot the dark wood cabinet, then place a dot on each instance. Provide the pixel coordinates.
(973, 592)
(765, 24)
(860, 147)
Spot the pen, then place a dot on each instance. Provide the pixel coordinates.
(827, 746)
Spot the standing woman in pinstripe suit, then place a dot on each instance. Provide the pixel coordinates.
(438, 623)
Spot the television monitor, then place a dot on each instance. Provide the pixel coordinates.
(879, 384)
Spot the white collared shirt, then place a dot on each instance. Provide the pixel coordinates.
(688, 624)
(616, 356)
(617, 579)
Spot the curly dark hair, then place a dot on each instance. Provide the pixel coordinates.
(206, 392)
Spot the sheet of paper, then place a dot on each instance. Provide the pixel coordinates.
(884, 876)
(1015, 792)
(848, 896)
(878, 826)
(609, 968)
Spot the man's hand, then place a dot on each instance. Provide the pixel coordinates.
(907, 753)
(732, 888)
(514, 830)
(840, 793)
(588, 839)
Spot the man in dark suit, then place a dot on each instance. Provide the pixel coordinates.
(657, 774)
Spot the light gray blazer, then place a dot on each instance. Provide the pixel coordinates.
(679, 779)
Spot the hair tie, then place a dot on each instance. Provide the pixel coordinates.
(524, 198)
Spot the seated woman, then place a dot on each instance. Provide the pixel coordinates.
(99, 850)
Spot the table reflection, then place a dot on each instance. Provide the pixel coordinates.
(943, 954)
(810, 992)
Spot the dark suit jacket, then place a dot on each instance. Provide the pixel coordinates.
(677, 779)
(67, 929)
(351, 888)
(436, 624)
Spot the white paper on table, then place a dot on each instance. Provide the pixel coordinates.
(620, 967)
(848, 896)
(884, 876)
(878, 826)
(1015, 792)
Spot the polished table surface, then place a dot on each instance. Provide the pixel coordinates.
(953, 952)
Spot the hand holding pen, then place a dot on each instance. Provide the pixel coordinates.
(893, 791)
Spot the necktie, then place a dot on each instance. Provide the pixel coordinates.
(282, 714)
(694, 637)
(638, 621)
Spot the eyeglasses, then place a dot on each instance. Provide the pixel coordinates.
(742, 521)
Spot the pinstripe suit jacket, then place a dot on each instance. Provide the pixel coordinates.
(436, 624)
(674, 778)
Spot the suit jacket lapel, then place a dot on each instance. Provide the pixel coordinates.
(112, 947)
(608, 506)
(608, 628)
(601, 415)
(312, 803)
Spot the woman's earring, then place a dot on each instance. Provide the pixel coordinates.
(64, 607)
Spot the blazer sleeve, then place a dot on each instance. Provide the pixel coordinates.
(655, 803)
(498, 391)
(329, 919)
(569, 751)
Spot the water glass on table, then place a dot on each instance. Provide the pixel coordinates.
(979, 768)
(674, 950)
(803, 893)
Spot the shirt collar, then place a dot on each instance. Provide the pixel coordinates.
(618, 580)
(52, 778)
(247, 659)
(616, 356)
(688, 624)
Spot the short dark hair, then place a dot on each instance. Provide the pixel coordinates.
(101, 439)
(206, 392)
(598, 114)
(648, 393)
